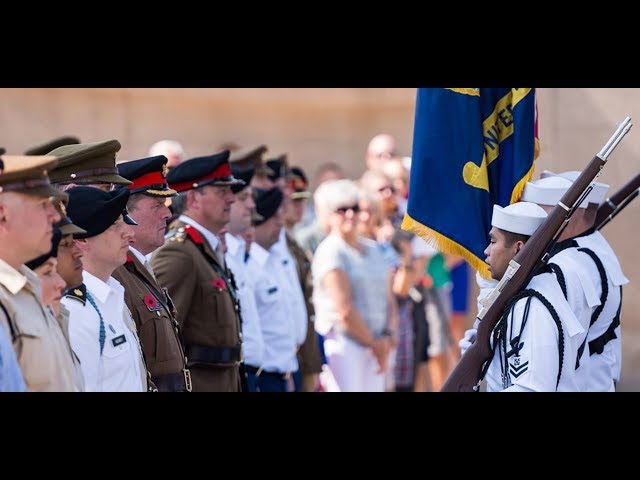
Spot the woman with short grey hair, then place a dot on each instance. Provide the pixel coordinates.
(352, 295)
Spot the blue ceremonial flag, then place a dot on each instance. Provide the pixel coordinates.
(472, 148)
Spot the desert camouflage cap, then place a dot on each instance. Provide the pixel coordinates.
(28, 174)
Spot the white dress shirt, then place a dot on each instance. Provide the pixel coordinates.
(142, 259)
(292, 286)
(252, 341)
(120, 367)
(274, 308)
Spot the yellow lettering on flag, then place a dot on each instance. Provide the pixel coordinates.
(496, 128)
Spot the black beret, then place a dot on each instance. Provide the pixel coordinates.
(55, 241)
(66, 225)
(149, 176)
(267, 203)
(201, 171)
(278, 166)
(96, 210)
(245, 175)
(299, 184)
(46, 147)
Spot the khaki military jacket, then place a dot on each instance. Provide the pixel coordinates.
(155, 318)
(309, 357)
(207, 310)
(43, 351)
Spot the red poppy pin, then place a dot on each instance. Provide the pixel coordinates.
(151, 303)
(219, 284)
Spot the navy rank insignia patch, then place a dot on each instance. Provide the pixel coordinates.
(517, 367)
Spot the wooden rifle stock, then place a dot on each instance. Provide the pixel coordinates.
(465, 377)
(616, 202)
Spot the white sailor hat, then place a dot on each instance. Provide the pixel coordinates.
(597, 194)
(523, 218)
(548, 191)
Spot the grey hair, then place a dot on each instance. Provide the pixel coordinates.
(164, 146)
(335, 194)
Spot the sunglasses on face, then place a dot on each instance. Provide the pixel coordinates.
(387, 187)
(343, 210)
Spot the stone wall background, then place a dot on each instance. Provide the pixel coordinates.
(319, 125)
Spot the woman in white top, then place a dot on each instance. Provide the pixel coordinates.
(352, 296)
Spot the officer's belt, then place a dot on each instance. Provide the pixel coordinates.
(214, 355)
(173, 382)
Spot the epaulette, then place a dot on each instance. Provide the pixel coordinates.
(193, 234)
(78, 293)
(178, 235)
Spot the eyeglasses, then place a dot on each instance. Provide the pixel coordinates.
(342, 210)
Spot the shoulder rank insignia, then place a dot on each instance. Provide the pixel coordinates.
(517, 367)
(78, 293)
(176, 235)
(193, 234)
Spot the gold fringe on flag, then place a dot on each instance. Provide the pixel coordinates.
(444, 244)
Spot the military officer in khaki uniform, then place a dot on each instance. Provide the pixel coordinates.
(191, 265)
(27, 215)
(150, 305)
(309, 356)
(87, 164)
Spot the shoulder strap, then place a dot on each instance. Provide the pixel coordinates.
(603, 298)
(78, 293)
(596, 346)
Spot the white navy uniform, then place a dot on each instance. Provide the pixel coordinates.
(535, 368)
(583, 298)
(605, 367)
